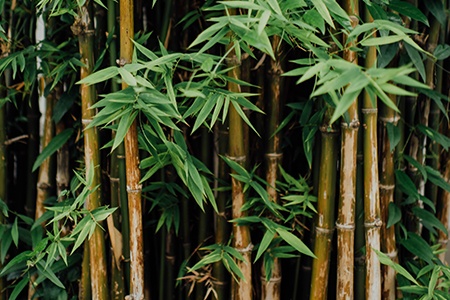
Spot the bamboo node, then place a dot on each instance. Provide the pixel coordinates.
(324, 230)
(135, 191)
(121, 62)
(392, 254)
(221, 283)
(328, 129)
(443, 241)
(375, 224)
(86, 121)
(272, 279)
(345, 227)
(237, 159)
(393, 120)
(249, 248)
(114, 179)
(120, 156)
(274, 155)
(367, 111)
(386, 186)
(354, 124)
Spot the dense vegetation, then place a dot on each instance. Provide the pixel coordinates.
(264, 149)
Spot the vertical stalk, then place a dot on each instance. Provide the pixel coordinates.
(444, 213)
(241, 290)
(271, 289)
(345, 223)
(360, 266)
(372, 221)
(134, 188)
(325, 210)
(3, 175)
(222, 226)
(386, 187)
(83, 28)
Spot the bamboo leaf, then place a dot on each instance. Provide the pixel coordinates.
(437, 9)
(294, 242)
(417, 60)
(418, 246)
(264, 19)
(394, 135)
(441, 139)
(435, 177)
(124, 124)
(406, 184)
(442, 52)
(384, 40)
(49, 274)
(385, 260)
(409, 10)
(231, 265)
(15, 232)
(313, 18)
(394, 216)
(323, 11)
(57, 142)
(265, 242)
(429, 220)
(417, 165)
(100, 76)
(127, 77)
(18, 288)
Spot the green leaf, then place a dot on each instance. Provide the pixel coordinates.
(437, 9)
(24, 256)
(48, 273)
(3, 208)
(406, 184)
(127, 77)
(384, 40)
(442, 52)
(51, 148)
(15, 232)
(313, 18)
(385, 260)
(419, 247)
(124, 124)
(435, 177)
(100, 76)
(395, 214)
(394, 135)
(417, 60)
(435, 136)
(265, 242)
(19, 287)
(294, 242)
(429, 220)
(323, 11)
(409, 10)
(417, 165)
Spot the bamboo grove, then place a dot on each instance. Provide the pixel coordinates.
(265, 149)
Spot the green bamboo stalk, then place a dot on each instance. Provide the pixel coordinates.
(220, 274)
(83, 28)
(272, 289)
(241, 290)
(444, 213)
(326, 198)
(134, 188)
(345, 223)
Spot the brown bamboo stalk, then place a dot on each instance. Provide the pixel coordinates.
(345, 223)
(83, 28)
(272, 289)
(134, 188)
(387, 186)
(444, 213)
(241, 290)
(325, 210)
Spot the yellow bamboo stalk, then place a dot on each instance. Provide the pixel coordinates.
(134, 188)
(325, 211)
(241, 290)
(83, 28)
(345, 223)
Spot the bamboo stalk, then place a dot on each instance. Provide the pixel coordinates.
(272, 289)
(360, 266)
(444, 213)
(372, 220)
(3, 173)
(83, 28)
(241, 290)
(220, 274)
(325, 210)
(134, 188)
(345, 223)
